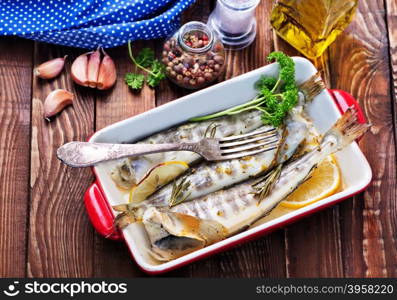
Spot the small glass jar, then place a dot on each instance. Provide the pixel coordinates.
(193, 56)
(234, 22)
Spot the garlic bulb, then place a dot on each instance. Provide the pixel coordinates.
(94, 71)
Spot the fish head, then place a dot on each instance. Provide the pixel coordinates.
(173, 234)
(124, 175)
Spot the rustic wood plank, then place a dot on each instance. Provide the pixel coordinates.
(112, 259)
(391, 9)
(360, 65)
(60, 236)
(15, 89)
(265, 256)
(313, 244)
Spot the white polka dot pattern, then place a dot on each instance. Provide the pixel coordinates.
(90, 23)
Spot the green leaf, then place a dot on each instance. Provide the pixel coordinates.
(134, 81)
(145, 60)
(157, 74)
(265, 82)
(276, 96)
(145, 57)
(287, 68)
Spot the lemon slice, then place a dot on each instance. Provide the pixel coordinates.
(324, 182)
(157, 177)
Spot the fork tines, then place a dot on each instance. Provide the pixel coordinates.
(249, 144)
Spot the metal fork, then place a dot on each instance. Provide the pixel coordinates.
(85, 154)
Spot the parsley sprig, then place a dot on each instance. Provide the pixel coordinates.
(146, 61)
(276, 97)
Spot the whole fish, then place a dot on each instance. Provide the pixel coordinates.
(227, 212)
(209, 177)
(130, 171)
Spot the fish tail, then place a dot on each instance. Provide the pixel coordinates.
(312, 87)
(347, 128)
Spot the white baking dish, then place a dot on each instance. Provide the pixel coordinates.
(324, 110)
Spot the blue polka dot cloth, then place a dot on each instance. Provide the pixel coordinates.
(90, 23)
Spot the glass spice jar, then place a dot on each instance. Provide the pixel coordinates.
(193, 56)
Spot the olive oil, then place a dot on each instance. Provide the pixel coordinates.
(311, 25)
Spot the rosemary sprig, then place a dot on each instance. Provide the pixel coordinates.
(178, 194)
(265, 184)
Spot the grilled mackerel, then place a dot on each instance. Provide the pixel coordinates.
(209, 177)
(205, 220)
(130, 171)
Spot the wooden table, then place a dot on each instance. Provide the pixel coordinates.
(45, 231)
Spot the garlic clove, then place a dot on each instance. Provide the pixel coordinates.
(94, 62)
(50, 69)
(79, 69)
(107, 73)
(56, 101)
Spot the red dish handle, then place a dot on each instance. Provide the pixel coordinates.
(344, 100)
(100, 213)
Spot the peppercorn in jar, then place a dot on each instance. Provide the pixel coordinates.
(193, 56)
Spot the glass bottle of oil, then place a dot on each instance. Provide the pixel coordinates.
(311, 25)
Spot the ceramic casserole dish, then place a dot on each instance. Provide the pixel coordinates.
(324, 111)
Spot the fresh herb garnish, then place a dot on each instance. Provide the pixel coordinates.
(265, 184)
(180, 192)
(134, 81)
(145, 60)
(276, 97)
(156, 75)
